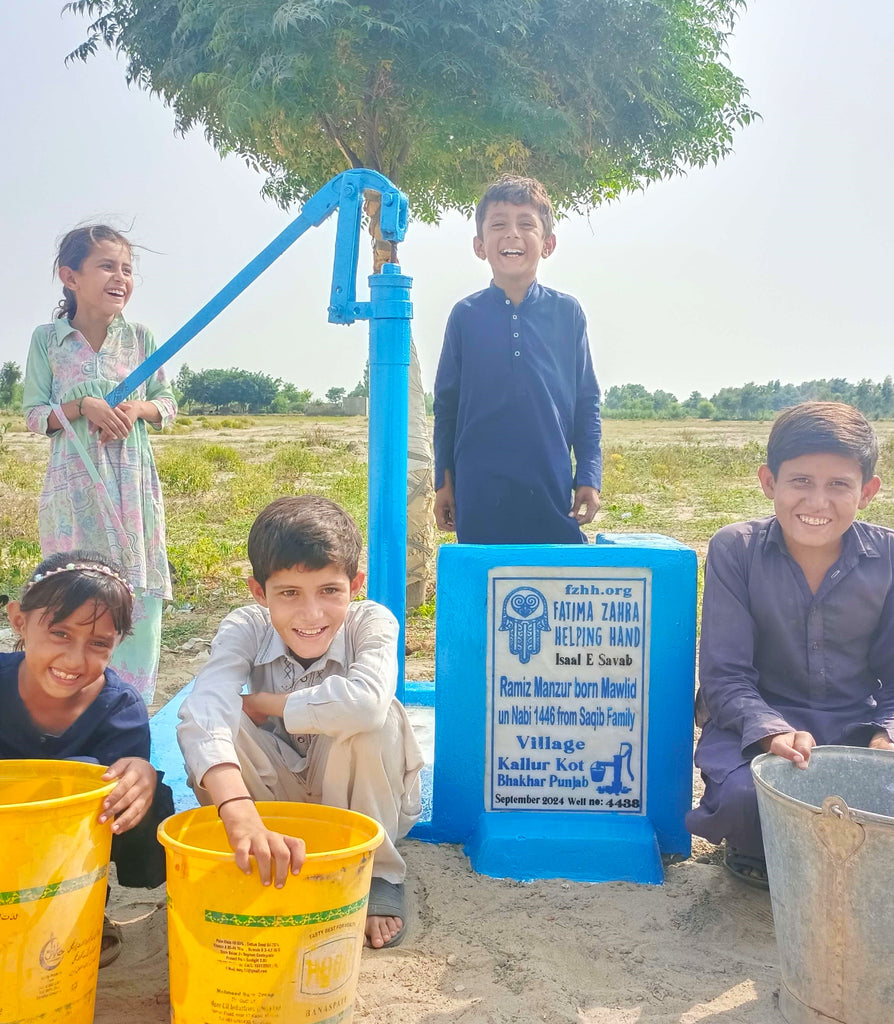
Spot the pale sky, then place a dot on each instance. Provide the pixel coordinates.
(771, 265)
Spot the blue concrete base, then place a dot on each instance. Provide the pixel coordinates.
(499, 708)
(165, 752)
(419, 693)
(582, 848)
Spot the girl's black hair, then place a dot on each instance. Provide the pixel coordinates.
(60, 593)
(74, 248)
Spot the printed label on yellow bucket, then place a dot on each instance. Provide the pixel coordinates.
(57, 932)
(316, 954)
(301, 974)
(327, 967)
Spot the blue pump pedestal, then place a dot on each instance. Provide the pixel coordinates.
(564, 707)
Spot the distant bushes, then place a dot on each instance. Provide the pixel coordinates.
(749, 402)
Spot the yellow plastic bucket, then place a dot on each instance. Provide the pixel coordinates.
(243, 953)
(53, 871)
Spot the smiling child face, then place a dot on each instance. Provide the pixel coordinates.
(307, 606)
(64, 658)
(104, 283)
(816, 498)
(513, 242)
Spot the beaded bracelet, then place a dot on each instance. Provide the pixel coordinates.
(232, 799)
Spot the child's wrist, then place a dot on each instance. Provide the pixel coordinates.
(81, 405)
(232, 800)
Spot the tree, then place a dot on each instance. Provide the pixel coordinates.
(886, 398)
(335, 395)
(10, 375)
(253, 392)
(290, 399)
(705, 410)
(594, 97)
(361, 388)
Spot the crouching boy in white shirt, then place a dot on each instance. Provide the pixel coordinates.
(321, 722)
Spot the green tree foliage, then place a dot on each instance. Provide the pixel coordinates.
(10, 388)
(183, 378)
(290, 399)
(594, 97)
(335, 395)
(233, 388)
(749, 402)
(634, 402)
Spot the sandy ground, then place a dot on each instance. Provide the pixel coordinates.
(481, 950)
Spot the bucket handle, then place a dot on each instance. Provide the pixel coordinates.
(837, 830)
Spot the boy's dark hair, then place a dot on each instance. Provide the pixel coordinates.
(307, 531)
(58, 592)
(74, 248)
(511, 188)
(823, 427)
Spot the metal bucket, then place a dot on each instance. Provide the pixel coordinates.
(829, 843)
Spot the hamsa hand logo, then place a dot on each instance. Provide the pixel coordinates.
(524, 618)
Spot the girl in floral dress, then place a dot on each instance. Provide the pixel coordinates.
(102, 490)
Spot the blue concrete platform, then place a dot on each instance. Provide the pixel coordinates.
(419, 697)
(564, 706)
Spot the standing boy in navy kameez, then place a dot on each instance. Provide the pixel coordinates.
(515, 391)
(797, 643)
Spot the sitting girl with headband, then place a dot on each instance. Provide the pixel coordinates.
(60, 701)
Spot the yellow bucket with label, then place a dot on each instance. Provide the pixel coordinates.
(53, 878)
(241, 952)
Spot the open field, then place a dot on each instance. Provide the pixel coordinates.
(683, 478)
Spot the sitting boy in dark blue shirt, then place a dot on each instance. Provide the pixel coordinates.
(515, 390)
(797, 641)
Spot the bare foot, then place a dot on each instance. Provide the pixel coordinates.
(380, 930)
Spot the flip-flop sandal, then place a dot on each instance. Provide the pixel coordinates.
(386, 899)
(748, 869)
(110, 949)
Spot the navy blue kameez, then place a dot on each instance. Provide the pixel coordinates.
(515, 393)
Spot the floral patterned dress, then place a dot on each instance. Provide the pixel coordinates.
(102, 497)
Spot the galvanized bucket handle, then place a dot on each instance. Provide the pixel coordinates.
(837, 829)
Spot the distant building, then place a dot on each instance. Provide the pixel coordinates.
(357, 406)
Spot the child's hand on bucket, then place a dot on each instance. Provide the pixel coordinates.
(274, 853)
(793, 746)
(132, 797)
